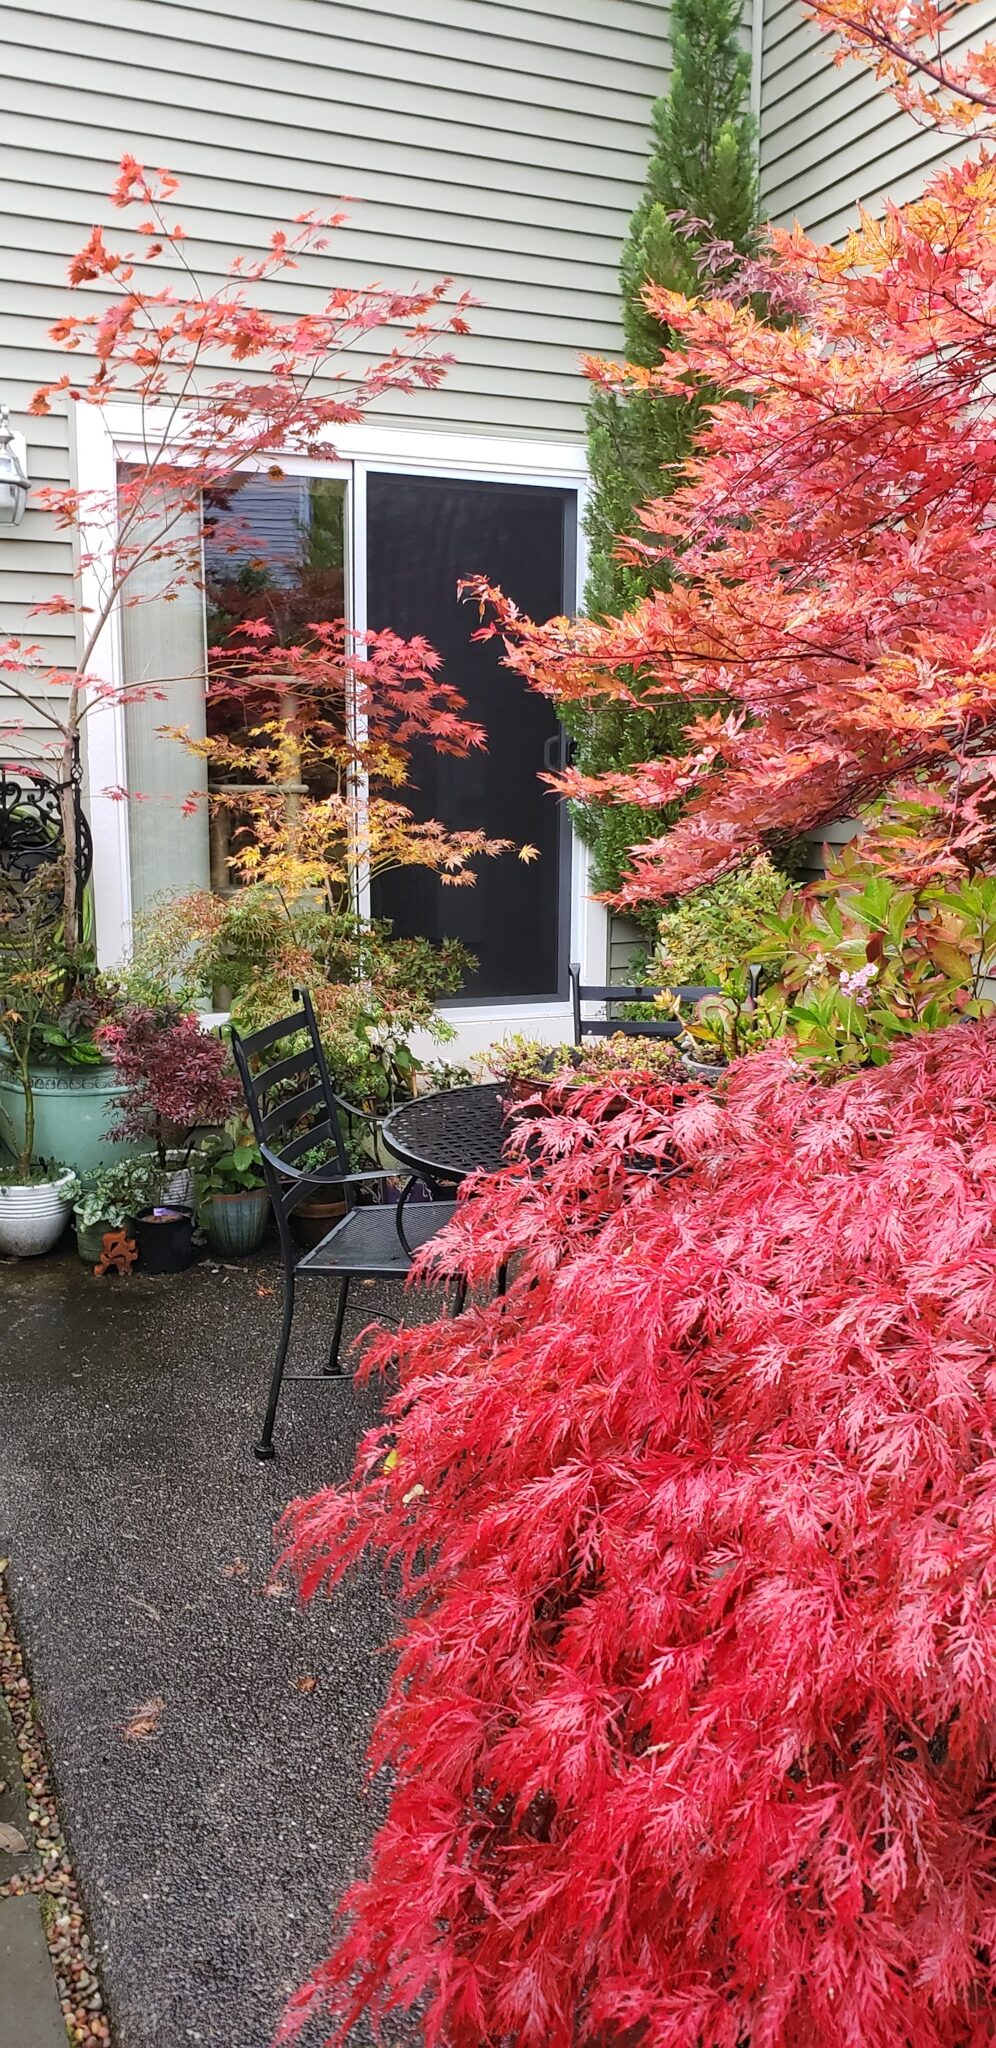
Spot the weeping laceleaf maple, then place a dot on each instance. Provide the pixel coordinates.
(835, 584)
(691, 1731)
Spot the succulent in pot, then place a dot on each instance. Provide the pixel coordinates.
(233, 1205)
(526, 1068)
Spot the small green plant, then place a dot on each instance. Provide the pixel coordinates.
(866, 963)
(39, 1173)
(116, 1193)
(437, 1075)
(228, 1163)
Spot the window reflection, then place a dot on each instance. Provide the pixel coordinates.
(274, 549)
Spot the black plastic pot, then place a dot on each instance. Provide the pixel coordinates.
(165, 1239)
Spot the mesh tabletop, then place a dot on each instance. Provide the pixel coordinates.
(450, 1134)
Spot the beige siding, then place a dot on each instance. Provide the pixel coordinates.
(831, 139)
(496, 144)
(499, 144)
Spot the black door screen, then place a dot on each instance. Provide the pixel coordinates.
(423, 535)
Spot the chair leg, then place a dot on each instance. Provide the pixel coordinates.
(502, 1283)
(264, 1449)
(333, 1365)
(459, 1293)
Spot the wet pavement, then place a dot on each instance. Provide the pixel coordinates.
(139, 1528)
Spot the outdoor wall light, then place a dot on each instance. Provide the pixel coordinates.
(13, 472)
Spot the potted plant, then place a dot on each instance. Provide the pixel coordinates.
(33, 1203)
(525, 1066)
(176, 1084)
(232, 1202)
(111, 1198)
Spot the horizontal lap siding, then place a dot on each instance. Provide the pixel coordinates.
(500, 145)
(831, 138)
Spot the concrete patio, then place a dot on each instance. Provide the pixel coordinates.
(139, 1528)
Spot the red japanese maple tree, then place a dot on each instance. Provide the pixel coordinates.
(831, 624)
(691, 1731)
(691, 1734)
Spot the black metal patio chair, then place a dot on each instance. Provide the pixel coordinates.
(612, 994)
(295, 1111)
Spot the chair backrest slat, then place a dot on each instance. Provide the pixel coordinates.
(290, 1109)
(613, 993)
(620, 992)
(308, 1141)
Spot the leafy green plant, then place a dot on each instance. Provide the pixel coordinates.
(115, 1193)
(228, 1163)
(704, 937)
(437, 1075)
(866, 963)
(734, 1022)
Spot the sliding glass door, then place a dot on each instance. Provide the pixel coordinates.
(424, 534)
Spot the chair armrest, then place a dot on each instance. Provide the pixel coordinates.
(323, 1176)
(367, 1116)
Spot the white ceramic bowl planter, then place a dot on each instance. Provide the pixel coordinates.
(32, 1219)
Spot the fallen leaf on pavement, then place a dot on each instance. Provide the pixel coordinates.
(306, 1684)
(144, 1721)
(12, 1842)
(235, 1570)
(274, 1590)
(263, 1292)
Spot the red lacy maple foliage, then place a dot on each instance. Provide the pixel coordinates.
(831, 541)
(176, 1076)
(691, 1734)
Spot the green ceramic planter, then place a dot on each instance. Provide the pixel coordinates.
(73, 1112)
(90, 1240)
(234, 1224)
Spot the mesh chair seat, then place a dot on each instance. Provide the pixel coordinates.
(366, 1240)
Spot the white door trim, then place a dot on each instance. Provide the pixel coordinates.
(109, 435)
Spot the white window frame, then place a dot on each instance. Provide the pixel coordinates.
(109, 436)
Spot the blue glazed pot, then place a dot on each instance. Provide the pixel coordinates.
(235, 1224)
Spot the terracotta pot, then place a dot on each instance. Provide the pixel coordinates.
(315, 1216)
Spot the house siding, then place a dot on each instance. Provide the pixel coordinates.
(831, 139)
(514, 174)
(511, 171)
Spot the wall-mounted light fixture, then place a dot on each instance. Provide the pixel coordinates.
(13, 472)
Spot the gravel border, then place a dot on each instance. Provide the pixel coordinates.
(70, 1947)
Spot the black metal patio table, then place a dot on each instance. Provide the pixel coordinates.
(442, 1138)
